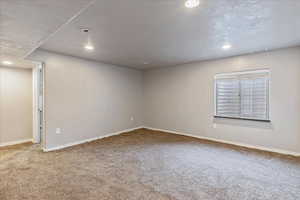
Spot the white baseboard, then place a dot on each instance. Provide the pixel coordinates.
(15, 142)
(89, 140)
(284, 152)
(280, 151)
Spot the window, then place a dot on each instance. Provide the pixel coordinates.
(242, 95)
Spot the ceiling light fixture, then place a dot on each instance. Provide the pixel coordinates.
(7, 62)
(88, 46)
(226, 46)
(192, 3)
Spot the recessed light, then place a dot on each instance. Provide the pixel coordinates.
(89, 47)
(7, 62)
(146, 63)
(192, 3)
(226, 46)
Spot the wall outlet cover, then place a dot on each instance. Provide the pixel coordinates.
(58, 131)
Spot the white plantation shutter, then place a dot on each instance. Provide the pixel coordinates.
(228, 99)
(243, 95)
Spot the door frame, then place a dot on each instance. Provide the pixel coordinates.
(38, 104)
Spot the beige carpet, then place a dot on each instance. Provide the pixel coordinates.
(147, 165)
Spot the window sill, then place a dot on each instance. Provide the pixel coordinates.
(238, 118)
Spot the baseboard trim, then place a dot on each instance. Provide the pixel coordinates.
(15, 142)
(89, 140)
(273, 150)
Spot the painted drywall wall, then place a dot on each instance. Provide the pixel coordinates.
(15, 105)
(88, 99)
(181, 99)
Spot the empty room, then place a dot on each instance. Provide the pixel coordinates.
(149, 100)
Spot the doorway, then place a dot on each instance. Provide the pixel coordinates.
(21, 105)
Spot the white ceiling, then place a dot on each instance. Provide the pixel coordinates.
(166, 33)
(160, 32)
(25, 24)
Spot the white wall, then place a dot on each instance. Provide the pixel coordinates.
(181, 99)
(88, 99)
(15, 105)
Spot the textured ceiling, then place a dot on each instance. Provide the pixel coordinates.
(134, 32)
(25, 24)
(165, 33)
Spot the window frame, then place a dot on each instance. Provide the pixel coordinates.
(238, 74)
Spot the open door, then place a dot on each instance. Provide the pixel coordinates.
(38, 103)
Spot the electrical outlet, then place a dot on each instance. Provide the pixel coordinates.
(58, 131)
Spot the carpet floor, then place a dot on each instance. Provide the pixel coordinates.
(147, 165)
